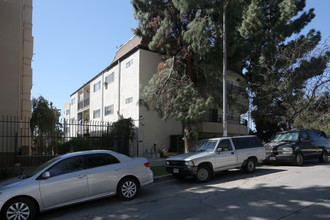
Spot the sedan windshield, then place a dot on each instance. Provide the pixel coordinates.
(290, 136)
(205, 145)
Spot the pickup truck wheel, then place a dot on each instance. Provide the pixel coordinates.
(203, 174)
(299, 160)
(324, 157)
(250, 166)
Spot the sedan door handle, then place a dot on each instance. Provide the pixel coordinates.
(117, 168)
(81, 176)
(232, 153)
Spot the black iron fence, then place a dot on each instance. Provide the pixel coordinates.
(19, 146)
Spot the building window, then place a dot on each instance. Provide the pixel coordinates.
(129, 63)
(129, 100)
(108, 110)
(97, 86)
(73, 101)
(110, 78)
(67, 112)
(96, 113)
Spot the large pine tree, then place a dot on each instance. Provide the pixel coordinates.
(281, 63)
(189, 35)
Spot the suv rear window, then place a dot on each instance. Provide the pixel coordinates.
(317, 135)
(246, 142)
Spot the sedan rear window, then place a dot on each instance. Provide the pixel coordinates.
(97, 160)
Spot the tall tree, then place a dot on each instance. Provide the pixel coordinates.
(280, 63)
(189, 35)
(43, 123)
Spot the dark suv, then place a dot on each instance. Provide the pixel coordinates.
(297, 145)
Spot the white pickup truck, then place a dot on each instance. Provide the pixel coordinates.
(217, 154)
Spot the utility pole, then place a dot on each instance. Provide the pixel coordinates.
(224, 78)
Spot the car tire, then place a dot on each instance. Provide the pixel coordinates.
(203, 174)
(127, 188)
(324, 157)
(19, 208)
(299, 159)
(250, 166)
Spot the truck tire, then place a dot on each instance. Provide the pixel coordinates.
(324, 157)
(250, 165)
(299, 160)
(203, 174)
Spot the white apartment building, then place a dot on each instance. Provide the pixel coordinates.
(116, 91)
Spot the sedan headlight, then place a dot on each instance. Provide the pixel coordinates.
(189, 163)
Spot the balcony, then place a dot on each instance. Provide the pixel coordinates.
(83, 104)
(235, 126)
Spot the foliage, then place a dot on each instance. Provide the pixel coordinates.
(188, 34)
(43, 120)
(124, 127)
(44, 124)
(75, 144)
(317, 115)
(281, 65)
(158, 170)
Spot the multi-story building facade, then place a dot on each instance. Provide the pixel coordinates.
(16, 51)
(115, 93)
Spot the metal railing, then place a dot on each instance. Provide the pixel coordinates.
(19, 145)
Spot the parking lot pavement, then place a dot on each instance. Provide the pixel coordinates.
(272, 192)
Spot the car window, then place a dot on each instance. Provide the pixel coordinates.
(246, 142)
(225, 145)
(67, 166)
(205, 145)
(97, 160)
(303, 136)
(317, 135)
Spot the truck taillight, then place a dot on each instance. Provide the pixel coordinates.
(147, 164)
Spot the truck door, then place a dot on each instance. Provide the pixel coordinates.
(226, 156)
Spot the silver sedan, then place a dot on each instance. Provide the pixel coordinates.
(73, 178)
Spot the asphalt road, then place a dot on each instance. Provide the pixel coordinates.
(272, 192)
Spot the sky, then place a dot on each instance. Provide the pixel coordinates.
(74, 40)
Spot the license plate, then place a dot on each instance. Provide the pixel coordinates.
(272, 158)
(175, 170)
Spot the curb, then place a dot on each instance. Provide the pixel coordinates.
(163, 177)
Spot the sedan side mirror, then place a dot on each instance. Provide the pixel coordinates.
(219, 149)
(46, 175)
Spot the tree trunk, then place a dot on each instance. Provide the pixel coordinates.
(187, 137)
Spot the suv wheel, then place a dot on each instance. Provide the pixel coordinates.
(324, 157)
(250, 166)
(203, 174)
(299, 160)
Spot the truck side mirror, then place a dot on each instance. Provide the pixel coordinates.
(219, 149)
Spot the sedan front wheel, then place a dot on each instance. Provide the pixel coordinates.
(20, 209)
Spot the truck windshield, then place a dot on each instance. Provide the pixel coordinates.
(204, 145)
(290, 136)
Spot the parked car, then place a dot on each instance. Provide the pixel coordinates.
(217, 154)
(298, 145)
(73, 178)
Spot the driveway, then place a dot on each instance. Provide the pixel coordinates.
(272, 192)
